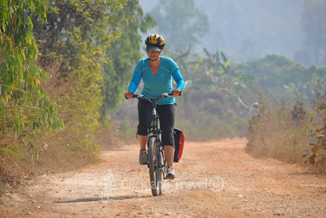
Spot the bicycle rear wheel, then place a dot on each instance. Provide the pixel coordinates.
(155, 172)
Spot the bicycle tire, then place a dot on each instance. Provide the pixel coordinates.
(155, 173)
(159, 172)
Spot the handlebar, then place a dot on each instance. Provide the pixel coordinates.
(164, 95)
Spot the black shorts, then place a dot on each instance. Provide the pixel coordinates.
(166, 117)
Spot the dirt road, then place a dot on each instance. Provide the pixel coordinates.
(216, 179)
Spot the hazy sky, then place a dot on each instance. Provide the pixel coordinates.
(251, 28)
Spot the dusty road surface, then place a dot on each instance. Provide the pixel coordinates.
(215, 179)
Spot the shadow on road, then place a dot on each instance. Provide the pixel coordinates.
(102, 199)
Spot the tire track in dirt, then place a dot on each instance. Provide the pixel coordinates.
(251, 187)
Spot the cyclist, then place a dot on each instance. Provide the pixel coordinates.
(253, 116)
(157, 73)
(253, 113)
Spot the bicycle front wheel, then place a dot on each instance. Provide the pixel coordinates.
(155, 172)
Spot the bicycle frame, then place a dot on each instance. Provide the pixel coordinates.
(157, 134)
(157, 162)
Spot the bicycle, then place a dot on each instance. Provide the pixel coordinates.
(157, 161)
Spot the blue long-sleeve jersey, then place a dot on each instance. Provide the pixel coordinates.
(160, 83)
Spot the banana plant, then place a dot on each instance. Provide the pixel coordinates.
(213, 72)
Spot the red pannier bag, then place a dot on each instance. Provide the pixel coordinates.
(179, 140)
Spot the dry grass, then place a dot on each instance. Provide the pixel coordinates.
(278, 135)
(58, 152)
(21, 166)
(107, 139)
(280, 138)
(56, 155)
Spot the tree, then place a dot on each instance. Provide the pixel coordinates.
(314, 26)
(248, 51)
(180, 23)
(280, 75)
(303, 56)
(79, 48)
(24, 105)
(76, 49)
(123, 53)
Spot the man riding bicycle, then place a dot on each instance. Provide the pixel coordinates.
(157, 73)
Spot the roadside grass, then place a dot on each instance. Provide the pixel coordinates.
(18, 166)
(278, 134)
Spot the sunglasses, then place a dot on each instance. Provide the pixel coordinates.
(154, 51)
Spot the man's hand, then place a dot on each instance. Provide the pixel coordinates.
(176, 92)
(128, 95)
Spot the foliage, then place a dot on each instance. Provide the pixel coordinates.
(214, 74)
(24, 105)
(315, 30)
(123, 53)
(180, 23)
(212, 98)
(81, 51)
(81, 46)
(316, 155)
(283, 76)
